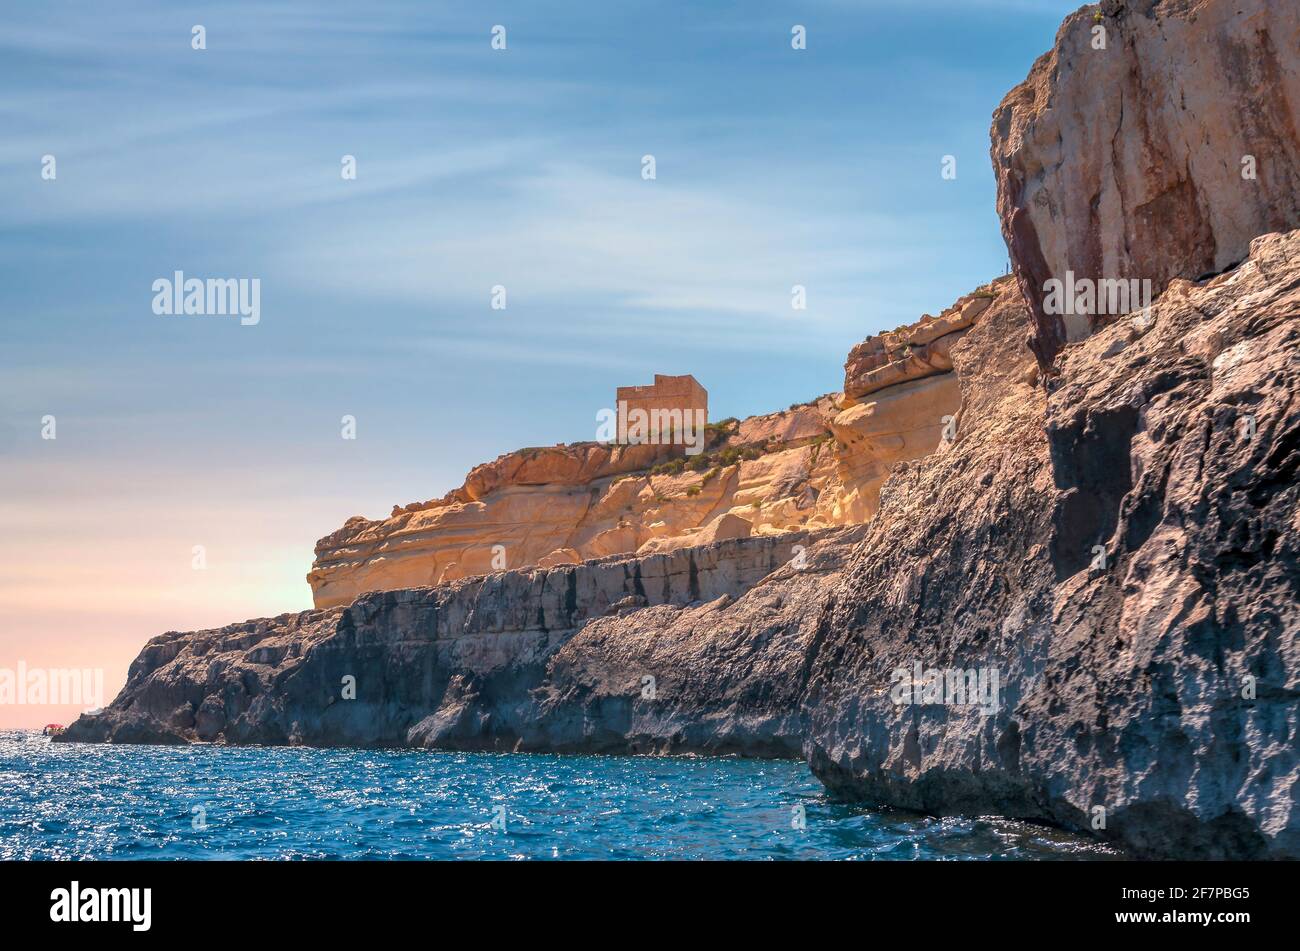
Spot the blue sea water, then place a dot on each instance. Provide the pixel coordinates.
(72, 801)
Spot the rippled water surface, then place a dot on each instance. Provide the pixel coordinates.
(88, 801)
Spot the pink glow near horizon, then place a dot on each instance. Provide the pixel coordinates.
(86, 581)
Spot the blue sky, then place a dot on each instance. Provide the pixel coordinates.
(476, 167)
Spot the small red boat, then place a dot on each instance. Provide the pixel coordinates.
(53, 729)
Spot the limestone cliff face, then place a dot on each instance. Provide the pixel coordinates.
(1160, 156)
(567, 504)
(1130, 570)
(1114, 549)
(617, 655)
(900, 396)
(915, 352)
(634, 566)
(814, 466)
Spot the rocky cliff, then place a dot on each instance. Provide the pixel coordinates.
(1154, 141)
(814, 466)
(1130, 571)
(624, 654)
(1074, 597)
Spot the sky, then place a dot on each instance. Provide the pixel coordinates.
(475, 168)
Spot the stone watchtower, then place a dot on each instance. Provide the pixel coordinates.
(663, 406)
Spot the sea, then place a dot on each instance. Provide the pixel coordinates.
(90, 801)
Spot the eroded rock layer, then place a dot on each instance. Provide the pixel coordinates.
(641, 654)
(1131, 573)
(1153, 142)
(814, 466)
